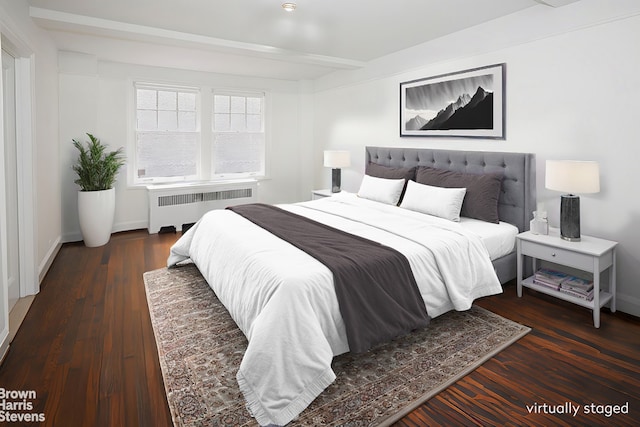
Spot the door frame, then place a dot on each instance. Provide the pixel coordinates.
(24, 81)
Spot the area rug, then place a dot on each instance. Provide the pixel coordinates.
(200, 349)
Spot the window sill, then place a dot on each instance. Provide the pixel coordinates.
(178, 184)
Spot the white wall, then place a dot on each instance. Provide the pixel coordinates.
(572, 88)
(95, 97)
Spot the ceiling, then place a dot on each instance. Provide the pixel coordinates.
(257, 37)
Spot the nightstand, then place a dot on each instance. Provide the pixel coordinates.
(319, 194)
(590, 254)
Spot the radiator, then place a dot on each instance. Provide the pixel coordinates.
(173, 205)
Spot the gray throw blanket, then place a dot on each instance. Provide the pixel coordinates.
(377, 294)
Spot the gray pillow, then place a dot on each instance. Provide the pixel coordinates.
(483, 191)
(387, 172)
(379, 171)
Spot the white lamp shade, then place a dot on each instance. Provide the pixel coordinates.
(572, 176)
(337, 159)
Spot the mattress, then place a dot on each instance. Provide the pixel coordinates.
(499, 239)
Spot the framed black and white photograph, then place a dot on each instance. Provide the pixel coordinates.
(469, 103)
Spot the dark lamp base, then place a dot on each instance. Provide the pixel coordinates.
(335, 180)
(570, 217)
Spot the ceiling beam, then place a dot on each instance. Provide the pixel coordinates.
(556, 3)
(69, 22)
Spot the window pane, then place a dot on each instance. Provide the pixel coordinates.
(238, 123)
(187, 121)
(239, 139)
(167, 100)
(221, 122)
(238, 153)
(167, 120)
(254, 122)
(146, 99)
(221, 104)
(167, 155)
(254, 105)
(237, 104)
(146, 120)
(186, 101)
(161, 150)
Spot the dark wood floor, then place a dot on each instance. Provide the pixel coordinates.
(87, 349)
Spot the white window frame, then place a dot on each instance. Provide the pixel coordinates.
(134, 179)
(263, 131)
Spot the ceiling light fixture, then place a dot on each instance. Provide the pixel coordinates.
(289, 7)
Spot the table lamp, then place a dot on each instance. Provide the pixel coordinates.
(571, 176)
(336, 160)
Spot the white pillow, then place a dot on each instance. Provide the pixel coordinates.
(437, 201)
(381, 189)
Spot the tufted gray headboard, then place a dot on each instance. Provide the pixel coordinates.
(518, 199)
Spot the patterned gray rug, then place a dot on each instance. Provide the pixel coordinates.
(200, 350)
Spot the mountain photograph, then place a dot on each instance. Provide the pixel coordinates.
(416, 123)
(466, 113)
(454, 106)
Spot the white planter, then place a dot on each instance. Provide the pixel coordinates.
(96, 210)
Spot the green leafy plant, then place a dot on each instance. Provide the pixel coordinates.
(96, 168)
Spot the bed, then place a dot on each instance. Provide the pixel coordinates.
(284, 299)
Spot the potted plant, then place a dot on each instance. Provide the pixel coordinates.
(97, 170)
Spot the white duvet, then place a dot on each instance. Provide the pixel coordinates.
(284, 302)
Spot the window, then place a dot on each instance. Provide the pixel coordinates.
(196, 133)
(238, 147)
(167, 140)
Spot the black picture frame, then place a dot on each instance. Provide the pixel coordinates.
(462, 104)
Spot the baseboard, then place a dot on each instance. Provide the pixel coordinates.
(628, 304)
(45, 264)
(76, 236)
(4, 349)
(129, 226)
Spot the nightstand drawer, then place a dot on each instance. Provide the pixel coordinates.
(558, 255)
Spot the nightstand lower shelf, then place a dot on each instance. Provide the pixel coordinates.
(605, 297)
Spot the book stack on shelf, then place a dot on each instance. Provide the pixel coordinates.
(578, 287)
(559, 281)
(549, 278)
